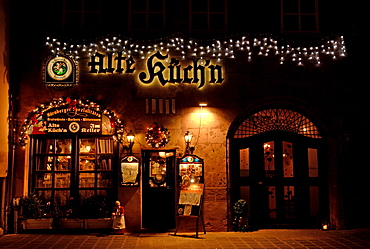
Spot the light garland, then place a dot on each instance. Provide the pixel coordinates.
(226, 48)
(36, 114)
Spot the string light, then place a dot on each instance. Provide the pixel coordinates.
(33, 117)
(248, 46)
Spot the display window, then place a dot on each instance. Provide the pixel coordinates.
(68, 171)
(73, 163)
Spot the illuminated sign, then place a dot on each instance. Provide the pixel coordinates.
(60, 72)
(161, 67)
(66, 119)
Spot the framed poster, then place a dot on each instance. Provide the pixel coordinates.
(130, 171)
(191, 169)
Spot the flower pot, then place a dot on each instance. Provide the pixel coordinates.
(99, 223)
(37, 224)
(71, 223)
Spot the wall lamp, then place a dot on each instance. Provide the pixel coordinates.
(201, 105)
(188, 137)
(130, 139)
(126, 141)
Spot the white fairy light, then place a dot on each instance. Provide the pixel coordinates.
(218, 48)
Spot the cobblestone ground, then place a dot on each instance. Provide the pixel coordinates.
(281, 238)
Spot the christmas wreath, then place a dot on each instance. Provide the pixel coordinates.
(157, 135)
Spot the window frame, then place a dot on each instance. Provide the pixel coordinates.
(208, 14)
(147, 14)
(82, 12)
(252, 174)
(299, 15)
(75, 186)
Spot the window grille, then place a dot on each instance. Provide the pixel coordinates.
(277, 120)
(147, 14)
(82, 14)
(299, 16)
(208, 15)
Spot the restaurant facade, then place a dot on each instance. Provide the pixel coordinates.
(98, 117)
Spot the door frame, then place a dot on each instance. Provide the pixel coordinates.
(169, 191)
(257, 182)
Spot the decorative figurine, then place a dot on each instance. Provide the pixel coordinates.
(118, 217)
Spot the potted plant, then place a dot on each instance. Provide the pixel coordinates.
(35, 215)
(65, 217)
(94, 211)
(240, 222)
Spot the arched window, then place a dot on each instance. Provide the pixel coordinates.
(277, 120)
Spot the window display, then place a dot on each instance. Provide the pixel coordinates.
(59, 176)
(53, 170)
(95, 166)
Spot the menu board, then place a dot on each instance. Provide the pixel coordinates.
(190, 170)
(129, 171)
(190, 200)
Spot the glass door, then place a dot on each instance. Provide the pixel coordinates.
(159, 189)
(281, 177)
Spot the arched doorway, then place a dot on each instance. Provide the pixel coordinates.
(277, 165)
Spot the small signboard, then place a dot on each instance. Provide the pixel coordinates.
(129, 171)
(190, 200)
(60, 72)
(190, 205)
(190, 170)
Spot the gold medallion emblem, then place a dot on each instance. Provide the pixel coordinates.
(59, 68)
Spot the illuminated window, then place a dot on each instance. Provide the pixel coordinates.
(299, 16)
(272, 201)
(244, 162)
(313, 165)
(269, 155)
(75, 168)
(289, 202)
(207, 15)
(146, 14)
(81, 14)
(288, 159)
